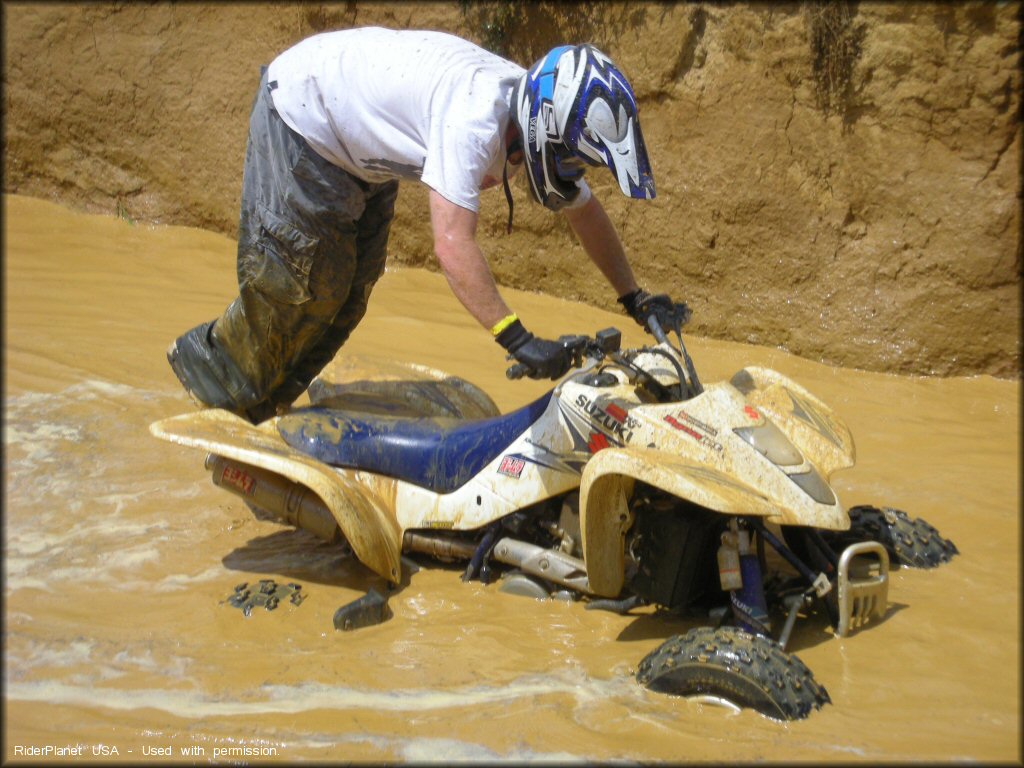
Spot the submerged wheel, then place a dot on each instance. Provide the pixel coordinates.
(909, 541)
(728, 665)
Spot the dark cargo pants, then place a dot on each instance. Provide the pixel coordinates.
(311, 244)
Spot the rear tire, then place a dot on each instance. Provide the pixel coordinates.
(728, 665)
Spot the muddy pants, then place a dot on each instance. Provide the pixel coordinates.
(311, 244)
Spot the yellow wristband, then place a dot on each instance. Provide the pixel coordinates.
(504, 323)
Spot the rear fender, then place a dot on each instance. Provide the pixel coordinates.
(370, 529)
(607, 484)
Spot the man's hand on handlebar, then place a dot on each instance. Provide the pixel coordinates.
(641, 306)
(541, 358)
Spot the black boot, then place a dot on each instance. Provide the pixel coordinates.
(211, 377)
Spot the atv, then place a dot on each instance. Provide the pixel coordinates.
(628, 484)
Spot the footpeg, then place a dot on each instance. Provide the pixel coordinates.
(863, 585)
(367, 611)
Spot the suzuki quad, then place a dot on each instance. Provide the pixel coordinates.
(629, 484)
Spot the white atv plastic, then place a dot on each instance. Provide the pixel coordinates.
(628, 483)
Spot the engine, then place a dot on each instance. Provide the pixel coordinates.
(670, 550)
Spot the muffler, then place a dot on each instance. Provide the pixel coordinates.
(551, 564)
(286, 501)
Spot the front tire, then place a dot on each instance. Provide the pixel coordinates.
(909, 541)
(730, 665)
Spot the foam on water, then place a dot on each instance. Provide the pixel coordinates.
(96, 551)
(80, 491)
(39, 439)
(454, 751)
(173, 582)
(290, 699)
(443, 750)
(34, 653)
(88, 390)
(178, 581)
(101, 660)
(15, 582)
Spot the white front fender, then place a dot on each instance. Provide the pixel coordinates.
(607, 484)
(813, 426)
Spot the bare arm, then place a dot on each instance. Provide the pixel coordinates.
(601, 242)
(463, 263)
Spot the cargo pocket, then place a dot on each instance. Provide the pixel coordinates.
(283, 273)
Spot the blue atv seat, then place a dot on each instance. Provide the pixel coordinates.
(436, 453)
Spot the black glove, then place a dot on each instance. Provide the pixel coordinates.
(640, 305)
(543, 359)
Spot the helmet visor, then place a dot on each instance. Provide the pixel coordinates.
(602, 124)
(619, 143)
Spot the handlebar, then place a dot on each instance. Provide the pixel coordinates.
(656, 330)
(608, 342)
(579, 348)
(516, 371)
(682, 316)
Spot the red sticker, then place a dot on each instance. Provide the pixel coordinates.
(597, 442)
(683, 428)
(616, 413)
(751, 412)
(511, 466)
(239, 479)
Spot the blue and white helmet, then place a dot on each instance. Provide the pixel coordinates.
(573, 108)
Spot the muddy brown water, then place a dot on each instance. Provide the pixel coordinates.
(119, 554)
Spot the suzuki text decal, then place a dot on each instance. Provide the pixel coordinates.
(595, 427)
(612, 417)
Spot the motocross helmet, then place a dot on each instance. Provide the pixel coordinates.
(574, 108)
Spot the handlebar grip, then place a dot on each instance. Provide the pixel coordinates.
(656, 329)
(516, 371)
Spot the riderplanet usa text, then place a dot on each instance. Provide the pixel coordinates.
(50, 750)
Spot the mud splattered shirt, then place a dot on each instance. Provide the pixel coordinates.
(385, 104)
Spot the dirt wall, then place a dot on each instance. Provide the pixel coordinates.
(838, 179)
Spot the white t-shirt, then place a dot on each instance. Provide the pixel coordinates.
(386, 104)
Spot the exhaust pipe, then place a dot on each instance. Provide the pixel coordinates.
(294, 504)
(436, 546)
(550, 564)
(287, 502)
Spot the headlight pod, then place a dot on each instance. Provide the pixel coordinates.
(768, 440)
(812, 484)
